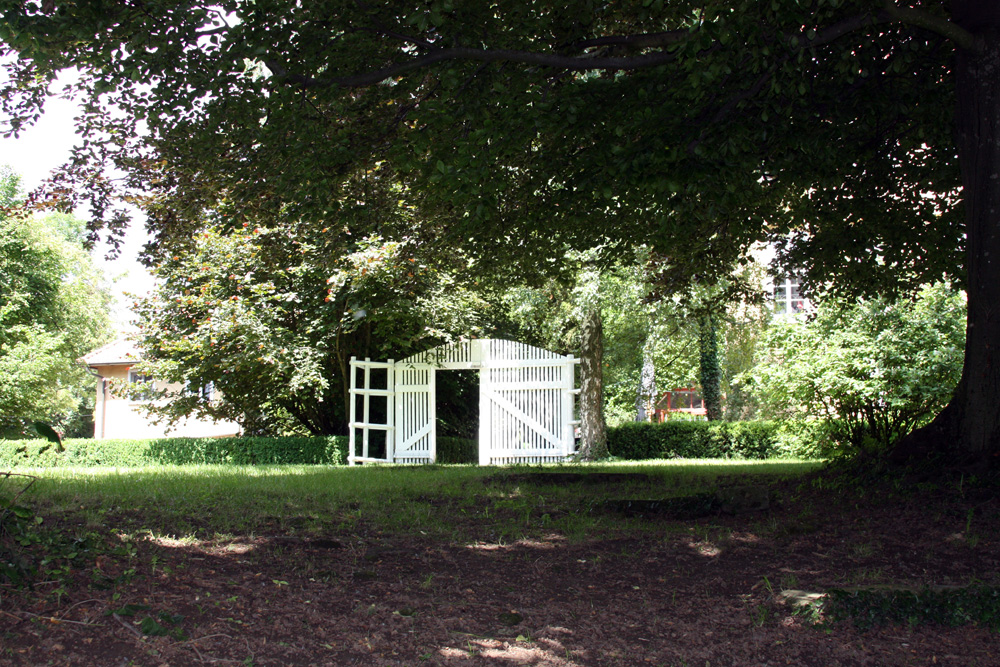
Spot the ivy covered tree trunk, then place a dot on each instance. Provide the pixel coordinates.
(593, 431)
(646, 393)
(711, 371)
(968, 429)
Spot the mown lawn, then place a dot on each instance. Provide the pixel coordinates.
(662, 563)
(447, 501)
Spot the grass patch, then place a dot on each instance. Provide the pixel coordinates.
(868, 608)
(460, 502)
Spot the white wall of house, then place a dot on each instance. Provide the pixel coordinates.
(117, 417)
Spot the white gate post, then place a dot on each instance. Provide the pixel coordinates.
(568, 370)
(352, 417)
(397, 409)
(485, 417)
(390, 410)
(365, 413)
(432, 408)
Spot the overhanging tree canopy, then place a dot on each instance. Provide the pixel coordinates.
(697, 126)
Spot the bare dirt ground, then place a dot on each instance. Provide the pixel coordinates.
(701, 592)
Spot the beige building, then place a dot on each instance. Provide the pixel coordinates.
(117, 417)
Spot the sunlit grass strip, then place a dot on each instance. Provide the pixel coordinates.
(435, 500)
(710, 467)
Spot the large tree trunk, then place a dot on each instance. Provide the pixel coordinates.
(710, 371)
(968, 429)
(593, 435)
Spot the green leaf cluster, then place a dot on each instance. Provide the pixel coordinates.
(271, 316)
(697, 127)
(641, 323)
(54, 307)
(874, 369)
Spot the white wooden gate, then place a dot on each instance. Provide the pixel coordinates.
(371, 430)
(526, 404)
(416, 430)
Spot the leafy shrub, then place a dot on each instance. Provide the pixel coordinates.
(805, 438)
(129, 453)
(690, 439)
(873, 370)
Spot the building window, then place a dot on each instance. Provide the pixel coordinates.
(788, 298)
(134, 377)
(203, 392)
(140, 386)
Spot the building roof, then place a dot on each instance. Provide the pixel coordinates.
(121, 351)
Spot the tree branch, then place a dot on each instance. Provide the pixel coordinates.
(214, 31)
(397, 36)
(662, 41)
(651, 40)
(837, 30)
(576, 63)
(917, 17)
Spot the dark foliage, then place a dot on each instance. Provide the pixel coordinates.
(457, 450)
(974, 605)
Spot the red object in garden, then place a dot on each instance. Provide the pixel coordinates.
(688, 401)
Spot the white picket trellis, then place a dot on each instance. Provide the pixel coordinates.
(526, 404)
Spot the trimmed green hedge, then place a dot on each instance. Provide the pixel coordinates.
(126, 453)
(634, 441)
(712, 440)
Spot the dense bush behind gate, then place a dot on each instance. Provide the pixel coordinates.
(457, 450)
